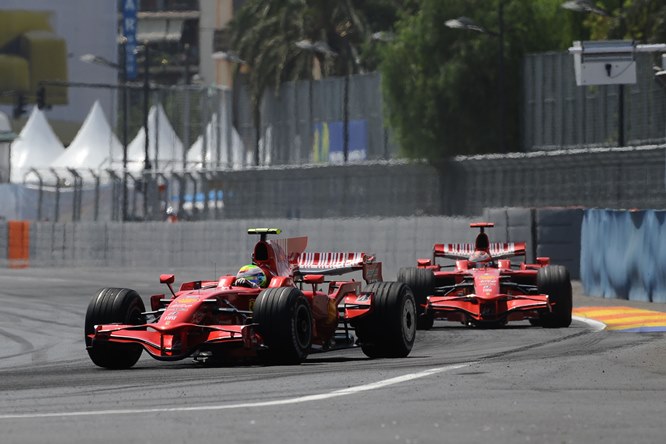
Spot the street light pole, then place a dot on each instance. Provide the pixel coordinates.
(121, 69)
(321, 47)
(470, 25)
(345, 121)
(146, 160)
(502, 104)
(123, 47)
(146, 92)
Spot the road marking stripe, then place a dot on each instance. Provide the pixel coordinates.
(592, 323)
(297, 400)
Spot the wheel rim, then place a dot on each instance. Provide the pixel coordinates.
(409, 319)
(303, 327)
(135, 317)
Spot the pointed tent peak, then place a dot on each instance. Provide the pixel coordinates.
(36, 147)
(35, 115)
(159, 109)
(95, 145)
(195, 153)
(94, 124)
(170, 147)
(96, 111)
(37, 128)
(37, 119)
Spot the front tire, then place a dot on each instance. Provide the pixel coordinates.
(109, 306)
(284, 321)
(554, 281)
(422, 283)
(389, 329)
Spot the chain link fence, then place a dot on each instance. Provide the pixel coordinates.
(631, 177)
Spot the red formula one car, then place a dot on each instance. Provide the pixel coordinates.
(226, 320)
(484, 288)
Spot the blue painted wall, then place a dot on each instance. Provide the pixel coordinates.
(623, 254)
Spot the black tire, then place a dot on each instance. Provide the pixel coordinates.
(284, 320)
(114, 305)
(389, 329)
(554, 281)
(422, 283)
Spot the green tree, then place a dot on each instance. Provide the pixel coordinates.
(441, 85)
(643, 21)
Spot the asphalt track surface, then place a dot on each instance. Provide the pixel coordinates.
(459, 385)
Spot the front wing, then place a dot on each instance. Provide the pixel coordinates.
(181, 340)
(477, 310)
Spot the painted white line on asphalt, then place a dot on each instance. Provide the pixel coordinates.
(300, 399)
(595, 325)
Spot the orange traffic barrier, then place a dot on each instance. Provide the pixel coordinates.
(18, 251)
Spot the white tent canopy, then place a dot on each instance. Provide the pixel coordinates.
(95, 145)
(37, 146)
(161, 134)
(194, 154)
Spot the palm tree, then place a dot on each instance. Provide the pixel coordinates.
(265, 33)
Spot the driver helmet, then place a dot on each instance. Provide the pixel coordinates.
(253, 274)
(480, 259)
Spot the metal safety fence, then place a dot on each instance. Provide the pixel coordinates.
(630, 177)
(557, 113)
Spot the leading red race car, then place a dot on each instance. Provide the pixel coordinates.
(224, 320)
(484, 288)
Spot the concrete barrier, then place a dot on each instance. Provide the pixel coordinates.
(3, 244)
(513, 225)
(218, 245)
(558, 236)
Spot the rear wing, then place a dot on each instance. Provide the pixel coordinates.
(326, 263)
(497, 250)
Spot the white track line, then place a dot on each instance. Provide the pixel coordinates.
(595, 325)
(300, 399)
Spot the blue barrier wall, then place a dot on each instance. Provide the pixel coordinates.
(623, 254)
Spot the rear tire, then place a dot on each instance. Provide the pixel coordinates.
(422, 283)
(389, 329)
(284, 321)
(114, 305)
(554, 281)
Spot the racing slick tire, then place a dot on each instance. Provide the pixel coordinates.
(389, 329)
(554, 281)
(114, 305)
(422, 283)
(284, 321)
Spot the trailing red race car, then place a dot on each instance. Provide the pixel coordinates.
(484, 288)
(277, 309)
